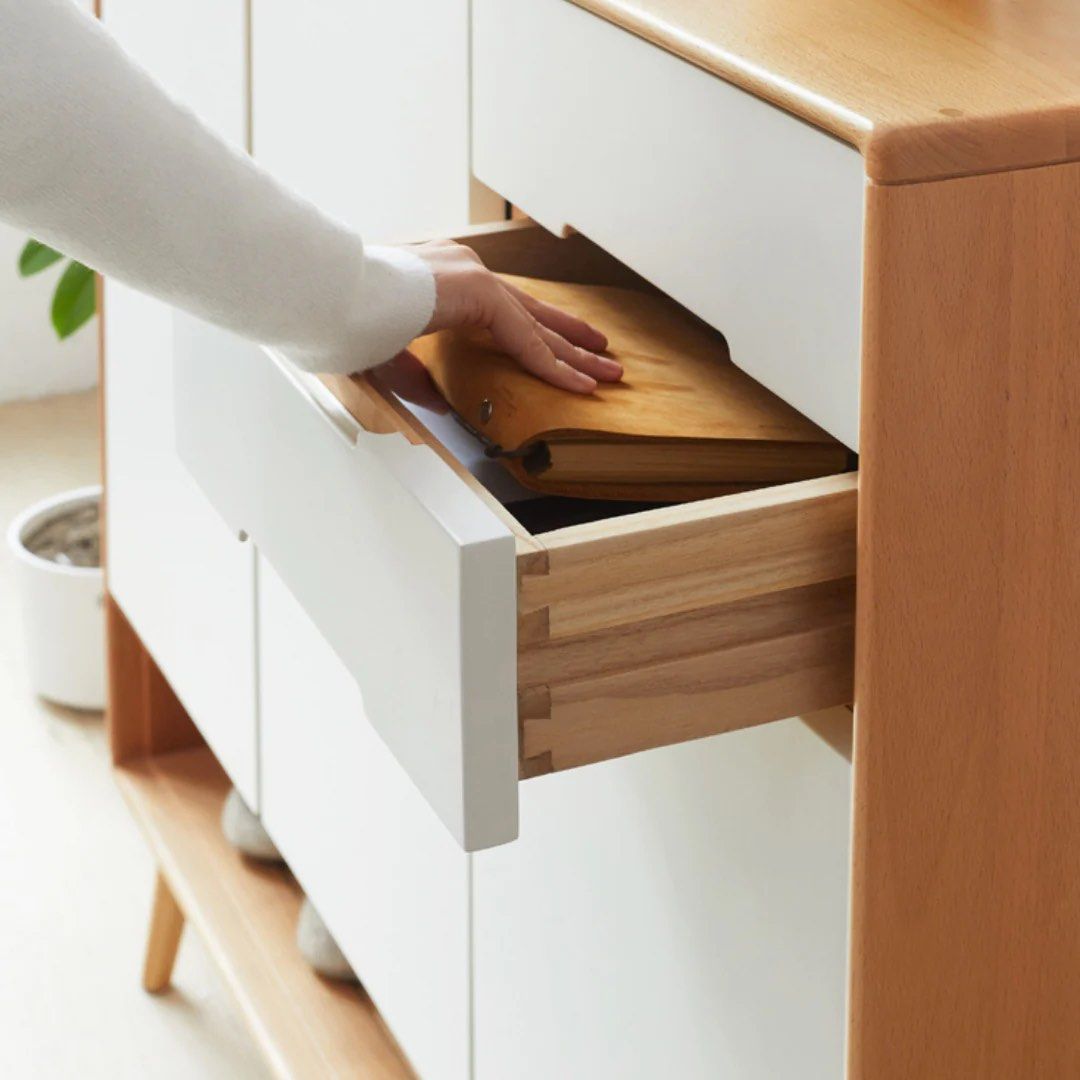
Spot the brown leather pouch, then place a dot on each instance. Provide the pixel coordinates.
(684, 423)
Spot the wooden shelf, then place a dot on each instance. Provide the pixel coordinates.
(246, 913)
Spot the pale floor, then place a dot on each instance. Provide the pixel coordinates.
(75, 875)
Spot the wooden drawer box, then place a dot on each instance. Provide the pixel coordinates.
(485, 653)
(747, 216)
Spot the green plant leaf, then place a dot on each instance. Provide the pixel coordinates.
(75, 299)
(35, 257)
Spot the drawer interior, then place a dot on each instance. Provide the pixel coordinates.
(522, 248)
(640, 626)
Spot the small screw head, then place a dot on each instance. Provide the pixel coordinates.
(486, 409)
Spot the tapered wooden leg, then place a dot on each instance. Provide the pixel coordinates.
(166, 926)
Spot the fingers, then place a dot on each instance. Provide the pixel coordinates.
(576, 331)
(409, 379)
(551, 344)
(517, 333)
(601, 368)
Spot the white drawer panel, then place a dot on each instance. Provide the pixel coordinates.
(388, 879)
(410, 578)
(183, 580)
(680, 914)
(395, 77)
(749, 217)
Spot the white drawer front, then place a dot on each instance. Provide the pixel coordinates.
(403, 170)
(390, 882)
(749, 217)
(681, 913)
(409, 577)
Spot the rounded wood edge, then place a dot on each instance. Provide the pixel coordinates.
(959, 146)
(951, 146)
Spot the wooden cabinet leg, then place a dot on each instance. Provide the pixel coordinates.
(166, 926)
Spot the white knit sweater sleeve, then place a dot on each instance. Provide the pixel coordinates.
(99, 162)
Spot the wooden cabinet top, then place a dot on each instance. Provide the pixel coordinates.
(925, 89)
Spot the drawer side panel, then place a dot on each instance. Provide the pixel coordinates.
(687, 621)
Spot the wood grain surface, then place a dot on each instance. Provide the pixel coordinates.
(246, 913)
(610, 714)
(966, 877)
(142, 714)
(163, 940)
(624, 571)
(924, 88)
(682, 414)
(686, 621)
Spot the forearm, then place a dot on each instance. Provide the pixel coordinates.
(96, 160)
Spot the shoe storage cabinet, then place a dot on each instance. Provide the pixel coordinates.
(571, 801)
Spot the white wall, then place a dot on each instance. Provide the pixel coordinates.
(33, 362)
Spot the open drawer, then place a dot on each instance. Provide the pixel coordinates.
(486, 653)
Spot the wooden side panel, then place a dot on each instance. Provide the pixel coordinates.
(622, 712)
(143, 715)
(835, 728)
(624, 571)
(685, 622)
(966, 890)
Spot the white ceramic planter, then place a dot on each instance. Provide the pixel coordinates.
(63, 618)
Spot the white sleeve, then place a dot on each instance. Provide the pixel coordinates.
(99, 162)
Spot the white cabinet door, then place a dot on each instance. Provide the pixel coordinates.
(408, 575)
(681, 913)
(363, 106)
(388, 879)
(184, 581)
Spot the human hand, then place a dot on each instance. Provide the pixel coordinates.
(552, 344)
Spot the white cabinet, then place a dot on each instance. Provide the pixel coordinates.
(182, 579)
(388, 879)
(485, 652)
(363, 106)
(680, 913)
(673, 909)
